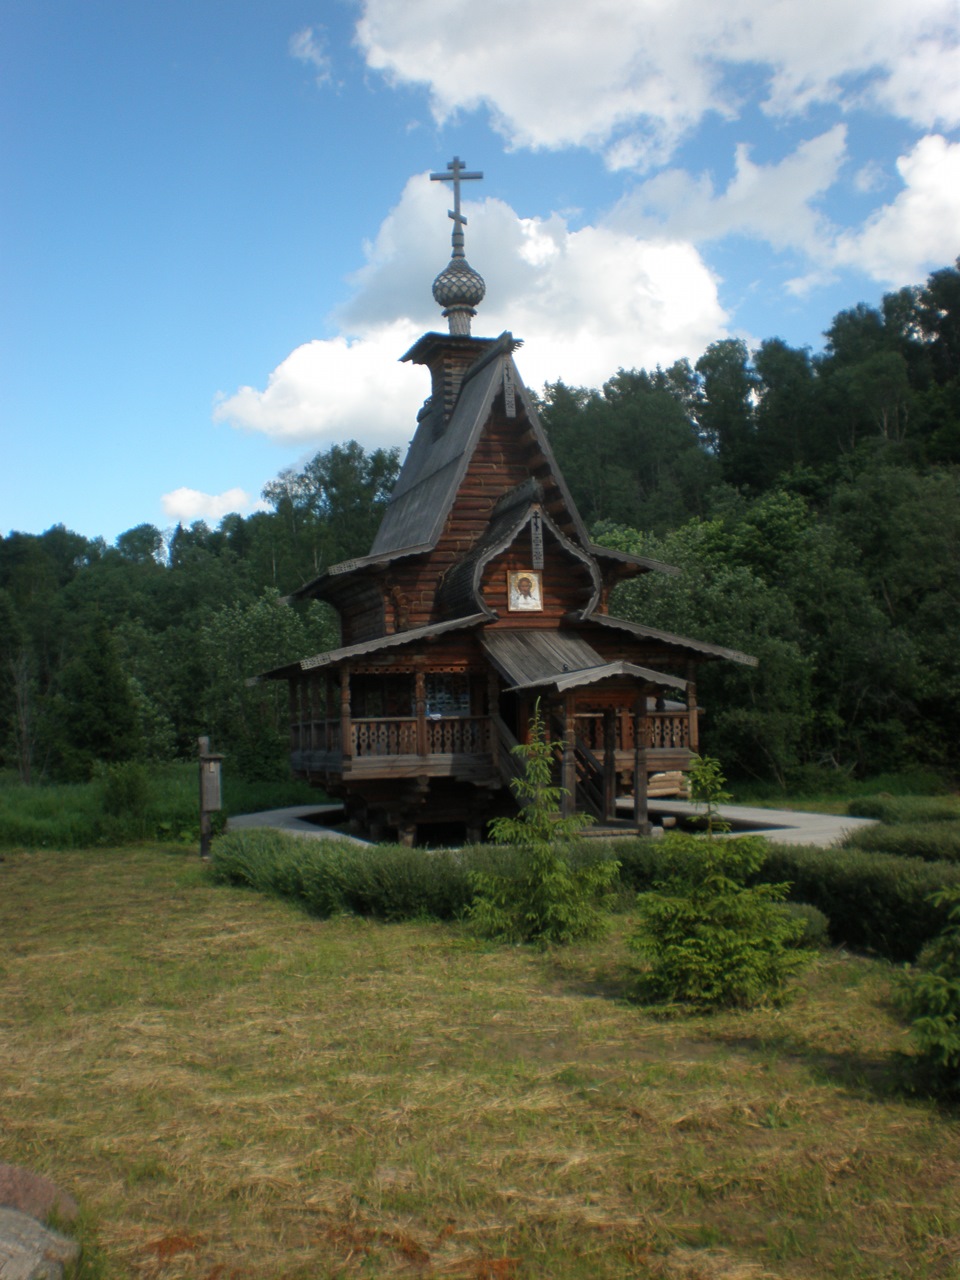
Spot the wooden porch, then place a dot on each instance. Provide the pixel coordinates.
(477, 748)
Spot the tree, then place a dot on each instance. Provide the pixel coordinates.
(95, 712)
(709, 937)
(729, 388)
(931, 1000)
(547, 900)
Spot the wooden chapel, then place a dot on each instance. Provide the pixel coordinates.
(482, 593)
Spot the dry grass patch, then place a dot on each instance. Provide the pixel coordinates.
(232, 1089)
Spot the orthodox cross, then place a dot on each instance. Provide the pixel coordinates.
(536, 541)
(456, 175)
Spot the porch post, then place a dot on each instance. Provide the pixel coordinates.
(420, 697)
(493, 709)
(609, 765)
(568, 777)
(327, 707)
(296, 714)
(346, 729)
(641, 816)
(692, 713)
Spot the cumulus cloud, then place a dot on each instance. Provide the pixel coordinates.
(633, 77)
(918, 230)
(187, 505)
(773, 202)
(586, 301)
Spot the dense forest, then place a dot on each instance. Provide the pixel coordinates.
(811, 502)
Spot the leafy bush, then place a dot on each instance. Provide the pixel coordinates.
(931, 841)
(547, 899)
(931, 999)
(898, 809)
(816, 926)
(875, 902)
(712, 939)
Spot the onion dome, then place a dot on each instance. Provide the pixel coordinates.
(459, 289)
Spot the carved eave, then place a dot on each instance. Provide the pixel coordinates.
(460, 592)
(684, 646)
(339, 581)
(620, 566)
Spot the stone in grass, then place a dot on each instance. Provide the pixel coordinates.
(31, 1251)
(34, 1194)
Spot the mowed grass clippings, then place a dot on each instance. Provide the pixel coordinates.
(234, 1090)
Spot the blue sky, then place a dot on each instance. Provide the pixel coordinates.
(218, 232)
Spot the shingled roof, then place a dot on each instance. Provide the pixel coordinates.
(438, 458)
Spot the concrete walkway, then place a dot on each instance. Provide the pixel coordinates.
(293, 820)
(786, 826)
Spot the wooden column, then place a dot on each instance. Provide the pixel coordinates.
(327, 708)
(346, 729)
(641, 816)
(609, 765)
(420, 698)
(568, 779)
(493, 709)
(694, 716)
(296, 715)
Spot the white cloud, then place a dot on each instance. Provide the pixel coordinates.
(310, 47)
(772, 202)
(187, 505)
(332, 390)
(585, 301)
(632, 77)
(917, 231)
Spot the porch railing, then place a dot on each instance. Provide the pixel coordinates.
(666, 731)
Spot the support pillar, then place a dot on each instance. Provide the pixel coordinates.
(692, 712)
(346, 727)
(420, 697)
(641, 817)
(568, 779)
(609, 765)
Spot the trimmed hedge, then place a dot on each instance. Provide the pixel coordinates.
(874, 902)
(931, 841)
(898, 809)
(390, 882)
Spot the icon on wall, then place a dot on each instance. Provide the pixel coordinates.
(524, 590)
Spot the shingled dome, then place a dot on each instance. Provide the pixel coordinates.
(459, 285)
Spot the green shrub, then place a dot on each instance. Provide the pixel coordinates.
(874, 902)
(897, 809)
(548, 898)
(816, 926)
(931, 999)
(332, 876)
(932, 841)
(710, 938)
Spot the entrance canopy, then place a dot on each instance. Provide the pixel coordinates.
(533, 659)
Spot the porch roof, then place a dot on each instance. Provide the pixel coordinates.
(532, 659)
(333, 657)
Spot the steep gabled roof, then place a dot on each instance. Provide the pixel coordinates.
(438, 459)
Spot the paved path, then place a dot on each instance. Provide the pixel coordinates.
(786, 826)
(294, 821)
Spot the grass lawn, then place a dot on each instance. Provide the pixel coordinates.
(234, 1091)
